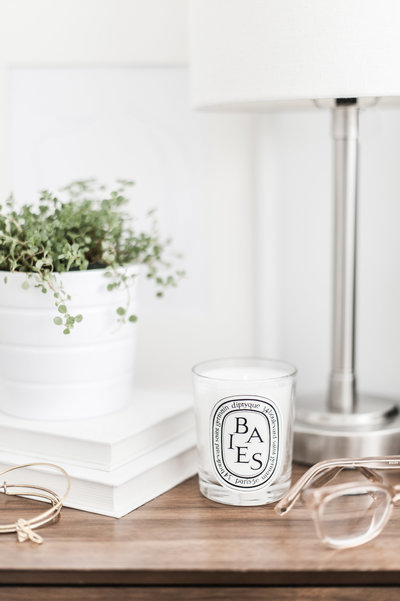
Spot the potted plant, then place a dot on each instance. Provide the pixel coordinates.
(68, 270)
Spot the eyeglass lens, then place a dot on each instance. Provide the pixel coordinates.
(351, 518)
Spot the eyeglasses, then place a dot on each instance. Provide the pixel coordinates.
(350, 514)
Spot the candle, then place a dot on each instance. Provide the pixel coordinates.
(244, 423)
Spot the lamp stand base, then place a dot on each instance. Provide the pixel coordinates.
(373, 429)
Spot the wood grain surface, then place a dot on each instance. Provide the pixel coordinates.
(181, 538)
(197, 594)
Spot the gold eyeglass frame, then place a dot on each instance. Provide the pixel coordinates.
(25, 528)
(311, 489)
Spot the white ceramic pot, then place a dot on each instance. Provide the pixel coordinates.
(45, 374)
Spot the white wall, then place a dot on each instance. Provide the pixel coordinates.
(295, 180)
(256, 228)
(97, 88)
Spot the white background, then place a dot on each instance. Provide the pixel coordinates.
(295, 161)
(136, 123)
(101, 88)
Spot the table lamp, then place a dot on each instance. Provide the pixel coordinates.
(252, 55)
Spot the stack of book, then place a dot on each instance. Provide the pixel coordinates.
(116, 462)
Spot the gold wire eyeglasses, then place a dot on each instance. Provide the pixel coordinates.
(349, 514)
(25, 527)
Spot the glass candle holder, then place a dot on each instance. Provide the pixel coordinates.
(244, 422)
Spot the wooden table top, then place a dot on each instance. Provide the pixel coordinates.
(183, 538)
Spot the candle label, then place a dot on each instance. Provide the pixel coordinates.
(245, 440)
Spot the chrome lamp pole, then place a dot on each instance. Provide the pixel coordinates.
(345, 423)
(254, 56)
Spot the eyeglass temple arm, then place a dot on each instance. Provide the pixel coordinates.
(331, 471)
(370, 474)
(327, 476)
(289, 500)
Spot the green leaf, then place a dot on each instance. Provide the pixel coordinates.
(66, 331)
(78, 318)
(132, 318)
(87, 226)
(25, 285)
(57, 321)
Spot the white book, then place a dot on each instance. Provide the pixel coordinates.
(117, 492)
(104, 443)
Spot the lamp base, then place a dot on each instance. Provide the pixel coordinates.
(373, 429)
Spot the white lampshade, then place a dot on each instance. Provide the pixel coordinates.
(258, 54)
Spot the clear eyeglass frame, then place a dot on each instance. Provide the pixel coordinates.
(361, 509)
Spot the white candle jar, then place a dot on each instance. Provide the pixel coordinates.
(244, 422)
